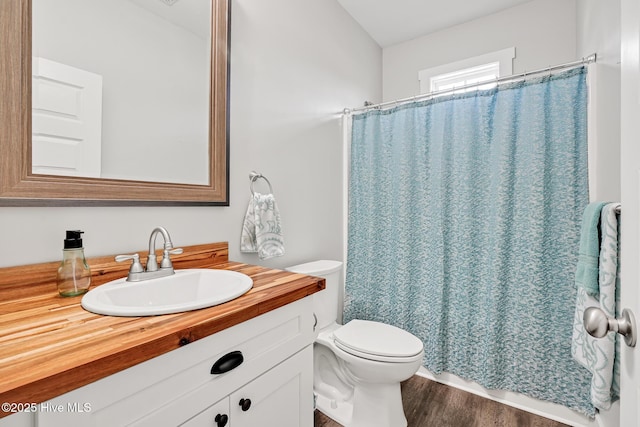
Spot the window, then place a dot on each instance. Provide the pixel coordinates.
(468, 76)
(469, 71)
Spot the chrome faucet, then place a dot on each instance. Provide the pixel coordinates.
(137, 273)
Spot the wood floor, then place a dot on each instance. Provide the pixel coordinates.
(431, 404)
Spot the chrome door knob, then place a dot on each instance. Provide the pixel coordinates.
(598, 324)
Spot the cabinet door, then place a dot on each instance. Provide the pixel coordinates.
(216, 415)
(19, 419)
(283, 396)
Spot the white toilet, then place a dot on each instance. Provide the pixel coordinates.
(358, 367)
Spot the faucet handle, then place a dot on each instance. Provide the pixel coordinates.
(136, 267)
(166, 260)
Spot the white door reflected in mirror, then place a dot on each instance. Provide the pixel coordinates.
(152, 121)
(66, 120)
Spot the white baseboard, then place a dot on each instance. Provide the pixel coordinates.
(545, 409)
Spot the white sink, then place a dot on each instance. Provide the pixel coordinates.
(183, 291)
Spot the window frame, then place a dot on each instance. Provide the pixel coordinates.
(503, 57)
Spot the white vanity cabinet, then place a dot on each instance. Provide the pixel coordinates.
(271, 386)
(279, 398)
(19, 419)
(216, 415)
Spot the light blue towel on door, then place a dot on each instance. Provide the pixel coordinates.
(261, 230)
(589, 250)
(598, 355)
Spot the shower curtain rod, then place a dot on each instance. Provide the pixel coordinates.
(511, 78)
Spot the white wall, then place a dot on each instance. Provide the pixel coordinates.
(598, 30)
(542, 31)
(295, 64)
(155, 84)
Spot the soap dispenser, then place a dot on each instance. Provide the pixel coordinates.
(74, 275)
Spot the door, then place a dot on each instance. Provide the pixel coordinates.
(66, 120)
(630, 198)
(217, 415)
(283, 396)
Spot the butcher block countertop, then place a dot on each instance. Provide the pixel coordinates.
(50, 345)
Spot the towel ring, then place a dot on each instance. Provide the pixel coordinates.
(253, 177)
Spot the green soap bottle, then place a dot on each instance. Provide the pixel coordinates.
(74, 275)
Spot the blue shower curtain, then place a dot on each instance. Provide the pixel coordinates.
(464, 220)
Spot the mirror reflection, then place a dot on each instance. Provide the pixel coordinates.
(121, 89)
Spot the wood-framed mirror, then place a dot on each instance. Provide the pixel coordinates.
(20, 186)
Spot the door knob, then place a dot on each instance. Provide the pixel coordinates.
(598, 324)
(221, 420)
(245, 404)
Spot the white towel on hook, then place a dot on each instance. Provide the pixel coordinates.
(261, 230)
(599, 355)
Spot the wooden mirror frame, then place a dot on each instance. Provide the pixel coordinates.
(19, 187)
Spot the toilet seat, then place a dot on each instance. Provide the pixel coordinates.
(377, 341)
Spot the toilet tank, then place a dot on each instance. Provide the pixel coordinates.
(326, 302)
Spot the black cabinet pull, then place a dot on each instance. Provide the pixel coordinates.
(227, 362)
(221, 420)
(245, 404)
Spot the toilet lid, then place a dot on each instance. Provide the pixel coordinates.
(377, 339)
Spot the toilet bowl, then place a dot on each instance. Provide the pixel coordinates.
(358, 366)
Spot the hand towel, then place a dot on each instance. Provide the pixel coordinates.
(589, 251)
(261, 230)
(599, 355)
